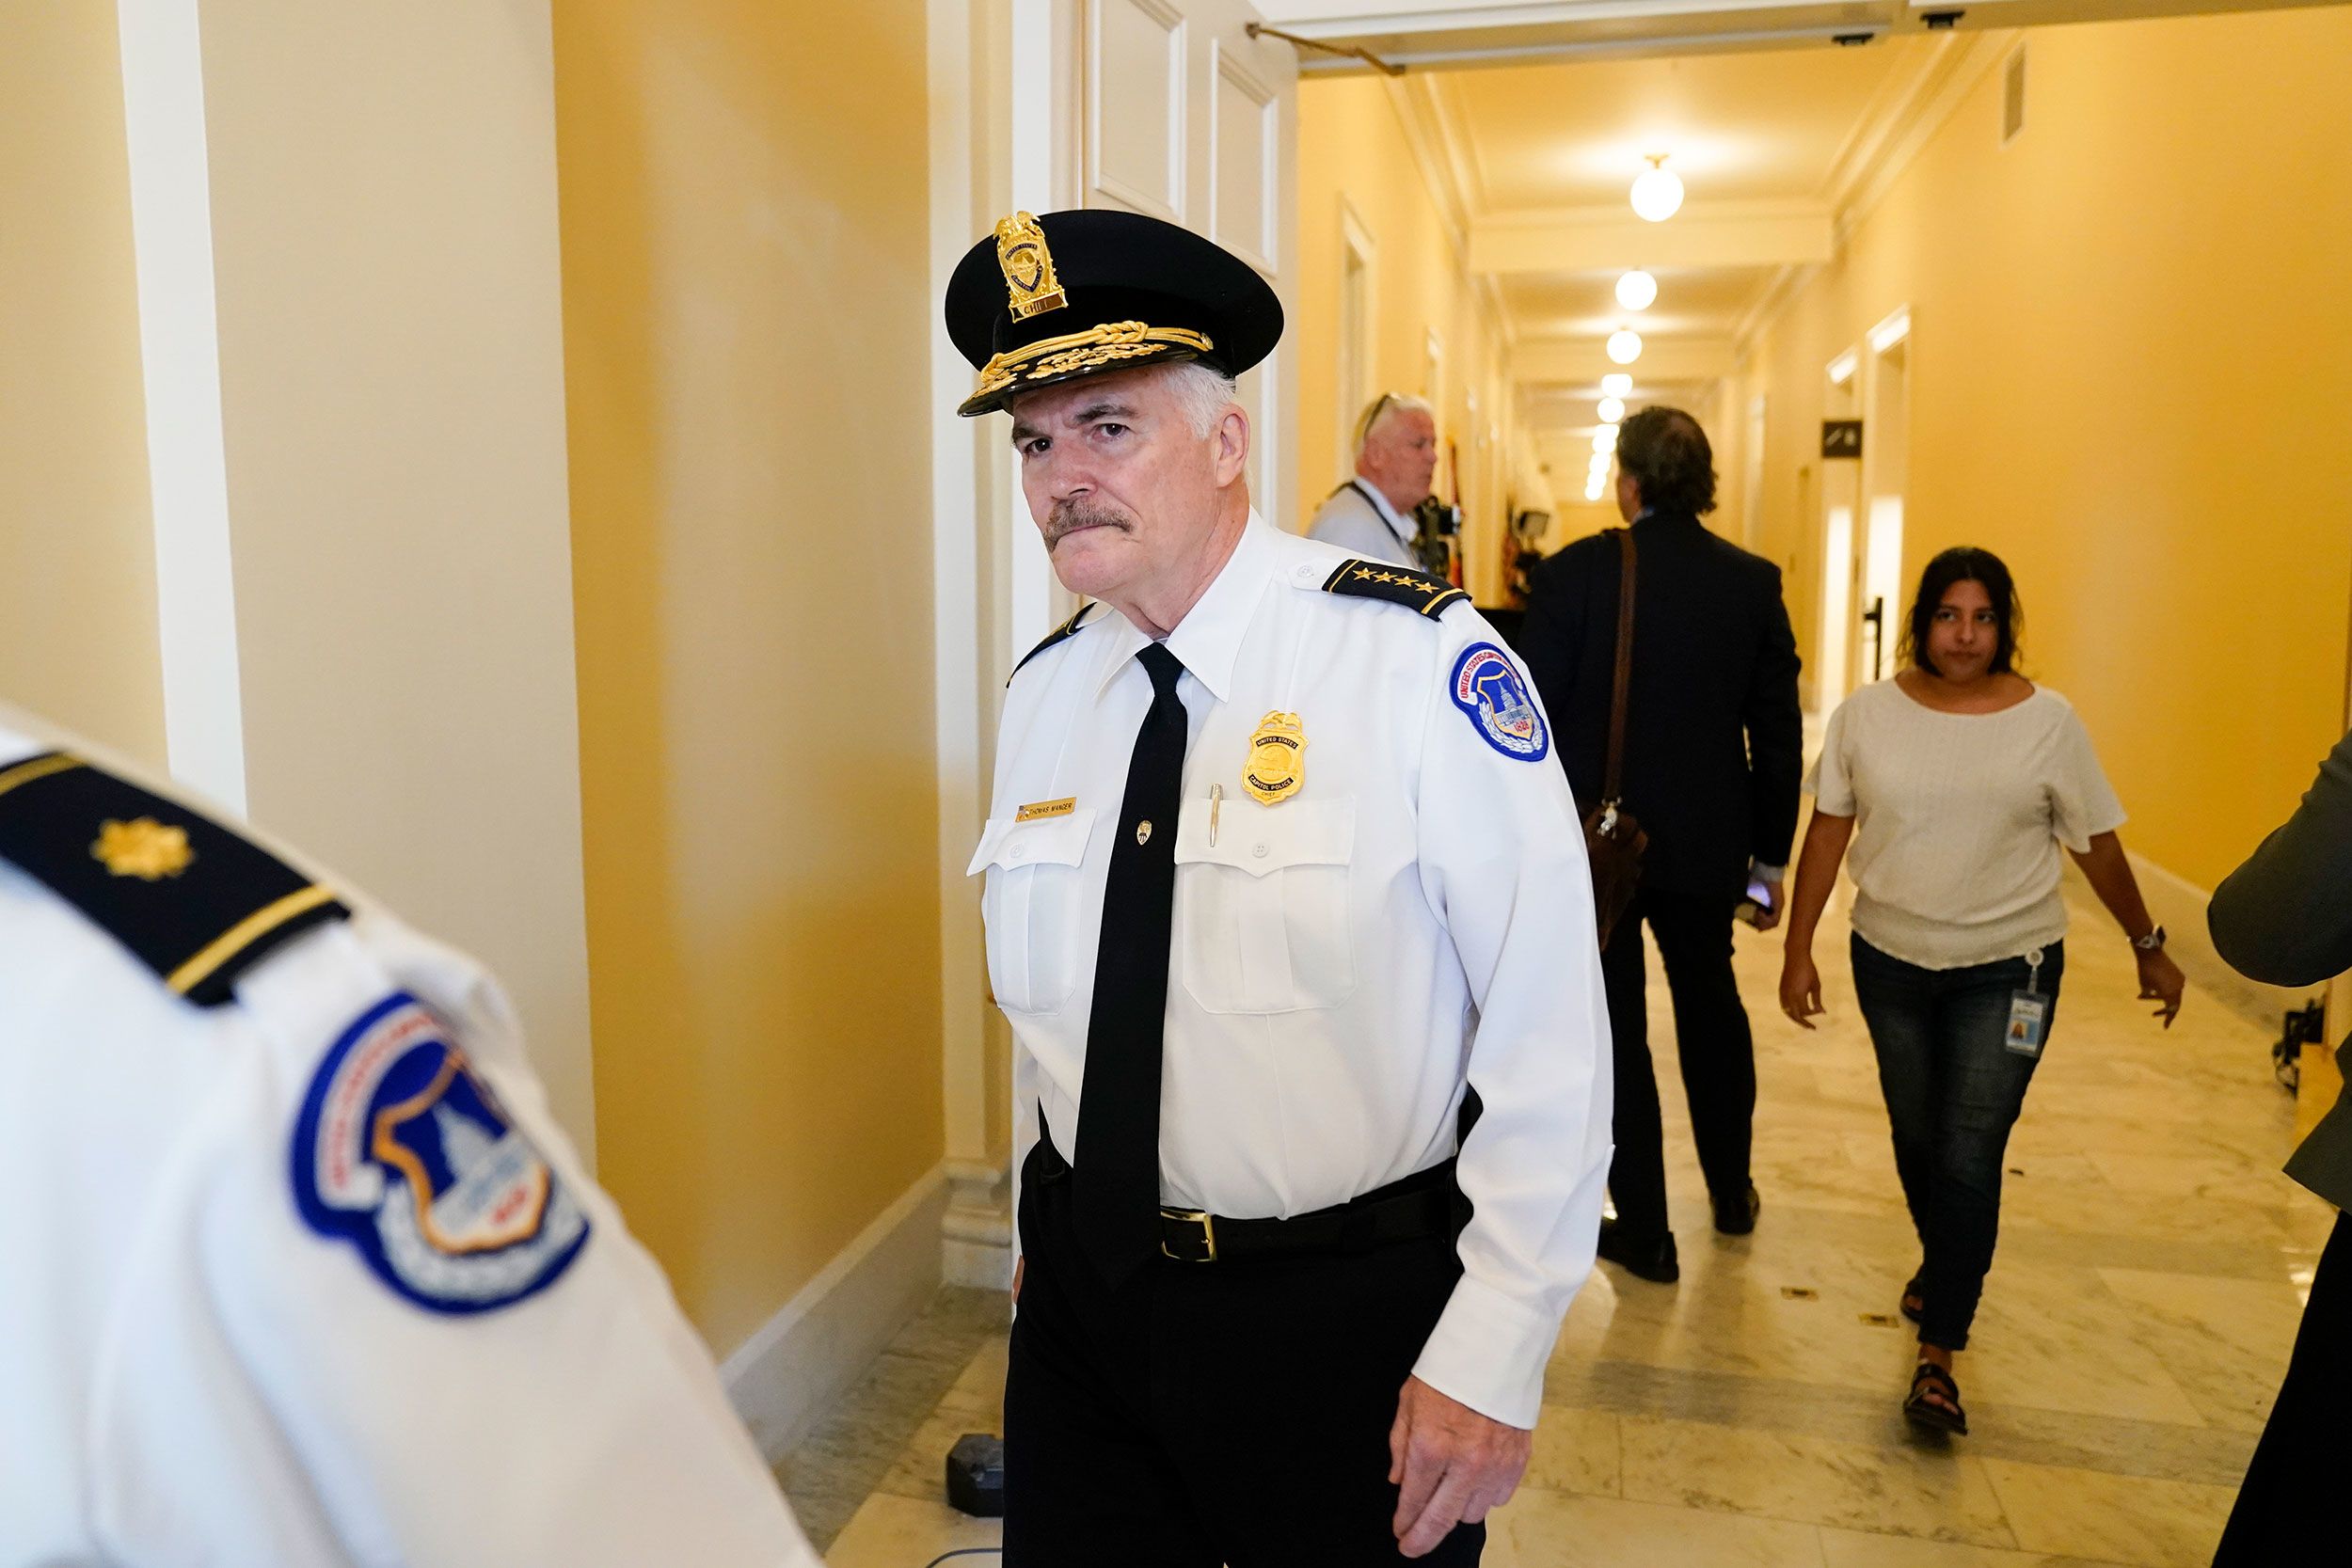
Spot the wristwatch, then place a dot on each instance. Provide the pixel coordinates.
(2152, 942)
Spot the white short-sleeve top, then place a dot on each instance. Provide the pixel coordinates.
(1958, 821)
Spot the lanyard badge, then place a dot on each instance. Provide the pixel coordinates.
(2028, 1012)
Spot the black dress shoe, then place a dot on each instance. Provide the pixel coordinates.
(1653, 1261)
(1737, 1217)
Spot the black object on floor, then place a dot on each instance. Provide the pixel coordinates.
(975, 1476)
(1654, 1260)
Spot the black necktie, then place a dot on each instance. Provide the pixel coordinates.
(1116, 1175)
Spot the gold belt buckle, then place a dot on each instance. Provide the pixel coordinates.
(1208, 1235)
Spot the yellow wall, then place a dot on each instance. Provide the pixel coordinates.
(1353, 151)
(2131, 371)
(77, 543)
(747, 334)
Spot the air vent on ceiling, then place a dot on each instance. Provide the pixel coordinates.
(2013, 97)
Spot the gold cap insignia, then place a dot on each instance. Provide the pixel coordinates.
(145, 849)
(1277, 763)
(1028, 266)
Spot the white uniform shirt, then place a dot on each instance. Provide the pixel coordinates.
(191, 1374)
(1358, 519)
(1418, 914)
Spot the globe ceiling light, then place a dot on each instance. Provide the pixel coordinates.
(1616, 384)
(1599, 465)
(1637, 290)
(1611, 410)
(1604, 440)
(1624, 345)
(1593, 487)
(1658, 193)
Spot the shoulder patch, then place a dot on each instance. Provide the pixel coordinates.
(1489, 689)
(1376, 579)
(194, 901)
(402, 1151)
(1059, 634)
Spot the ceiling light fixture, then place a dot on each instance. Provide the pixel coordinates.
(1616, 384)
(1658, 193)
(1599, 465)
(1624, 345)
(1637, 290)
(1604, 440)
(1611, 410)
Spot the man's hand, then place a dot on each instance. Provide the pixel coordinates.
(1768, 913)
(1020, 1267)
(1453, 1465)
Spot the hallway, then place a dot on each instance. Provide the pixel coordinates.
(2136, 1323)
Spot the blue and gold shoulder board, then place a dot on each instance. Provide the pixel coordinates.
(1059, 634)
(194, 901)
(1378, 580)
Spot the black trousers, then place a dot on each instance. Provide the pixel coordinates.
(1211, 1413)
(1711, 1037)
(2291, 1496)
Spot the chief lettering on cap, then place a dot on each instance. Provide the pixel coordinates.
(1053, 299)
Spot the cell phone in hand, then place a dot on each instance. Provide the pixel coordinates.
(1752, 908)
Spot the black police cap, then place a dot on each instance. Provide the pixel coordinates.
(1050, 299)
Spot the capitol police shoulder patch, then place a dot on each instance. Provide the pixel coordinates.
(402, 1151)
(1489, 689)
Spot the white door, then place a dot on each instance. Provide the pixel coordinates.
(1187, 118)
(1886, 457)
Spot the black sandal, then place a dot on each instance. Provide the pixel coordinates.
(1911, 1293)
(1926, 1378)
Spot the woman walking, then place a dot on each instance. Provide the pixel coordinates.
(1956, 783)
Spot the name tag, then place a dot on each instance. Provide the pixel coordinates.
(2028, 1016)
(1037, 810)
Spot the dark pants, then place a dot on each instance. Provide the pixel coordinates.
(1210, 1414)
(1711, 1037)
(2289, 1501)
(1953, 1090)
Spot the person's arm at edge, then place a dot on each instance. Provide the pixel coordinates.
(2286, 916)
(1502, 864)
(1825, 840)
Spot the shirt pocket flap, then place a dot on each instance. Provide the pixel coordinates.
(1011, 842)
(1262, 839)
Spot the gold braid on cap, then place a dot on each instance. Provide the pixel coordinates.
(1090, 350)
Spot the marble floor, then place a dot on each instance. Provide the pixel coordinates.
(2134, 1328)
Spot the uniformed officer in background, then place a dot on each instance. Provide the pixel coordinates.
(296, 1269)
(1279, 871)
(1396, 458)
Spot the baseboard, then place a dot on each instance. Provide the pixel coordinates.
(797, 1363)
(2179, 906)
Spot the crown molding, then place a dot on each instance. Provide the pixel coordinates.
(1901, 120)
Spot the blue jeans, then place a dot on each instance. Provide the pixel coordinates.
(1953, 1091)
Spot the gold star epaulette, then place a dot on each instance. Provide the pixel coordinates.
(1376, 579)
(1063, 633)
(194, 901)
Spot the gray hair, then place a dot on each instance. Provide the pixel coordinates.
(1376, 413)
(1202, 392)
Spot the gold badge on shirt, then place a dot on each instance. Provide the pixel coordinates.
(1277, 763)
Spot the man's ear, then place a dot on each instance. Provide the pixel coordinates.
(1230, 452)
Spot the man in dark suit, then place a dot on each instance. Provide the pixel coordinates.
(1713, 747)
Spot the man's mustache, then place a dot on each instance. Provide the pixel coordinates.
(1069, 517)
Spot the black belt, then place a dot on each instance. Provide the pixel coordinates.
(1420, 1205)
